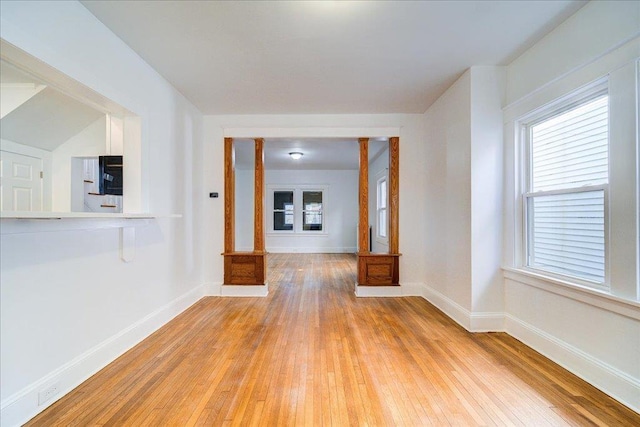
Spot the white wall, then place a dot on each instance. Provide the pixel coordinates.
(448, 214)
(593, 335)
(464, 213)
(487, 97)
(68, 304)
(412, 173)
(340, 205)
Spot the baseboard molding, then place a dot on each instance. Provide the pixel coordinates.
(212, 289)
(378, 291)
(244, 291)
(486, 322)
(20, 407)
(471, 321)
(610, 380)
(404, 290)
(312, 250)
(455, 311)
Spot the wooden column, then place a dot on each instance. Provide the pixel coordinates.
(244, 268)
(229, 196)
(258, 197)
(394, 196)
(363, 198)
(379, 269)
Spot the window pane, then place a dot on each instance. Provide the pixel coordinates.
(312, 210)
(566, 234)
(382, 194)
(282, 198)
(288, 213)
(282, 221)
(312, 200)
(382, 223)
(571, 149)
(312, 221)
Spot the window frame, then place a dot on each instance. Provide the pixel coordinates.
(380, 238)
(305, 211)
(298, 209)
(273, 210)
(553, 109)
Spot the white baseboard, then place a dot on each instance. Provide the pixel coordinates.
(20, 407)
(212, 289)
(455, 311)
(244, 291)
(378, 291)
(472, 322)
(610, 380)
(404, 290)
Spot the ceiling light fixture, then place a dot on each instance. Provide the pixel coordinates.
(296, 155)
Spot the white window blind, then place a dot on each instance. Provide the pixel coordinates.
(568, 181)
(571, 149)
(567, 234)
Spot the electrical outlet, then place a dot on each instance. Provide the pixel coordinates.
(47, 393)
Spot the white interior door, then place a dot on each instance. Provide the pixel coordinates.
(20, 182)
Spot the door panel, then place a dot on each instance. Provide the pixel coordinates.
(20, 182)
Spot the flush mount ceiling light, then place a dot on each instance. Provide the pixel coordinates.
(296, 155)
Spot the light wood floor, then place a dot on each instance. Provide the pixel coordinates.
(313, 354)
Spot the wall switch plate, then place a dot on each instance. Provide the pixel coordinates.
(47, 393)
(213, 195)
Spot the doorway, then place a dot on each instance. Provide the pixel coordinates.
(313, 194)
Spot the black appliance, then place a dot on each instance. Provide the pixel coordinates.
(110, 175)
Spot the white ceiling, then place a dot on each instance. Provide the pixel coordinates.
(279, 57)
(319, 153)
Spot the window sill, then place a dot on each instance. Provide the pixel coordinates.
(594, 297)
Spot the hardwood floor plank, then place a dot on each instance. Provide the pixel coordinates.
(311, 353)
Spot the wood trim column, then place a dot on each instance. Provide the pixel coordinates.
(229, 196)
(258, 197)
(363, 197)
(379, 269)
(394, 194)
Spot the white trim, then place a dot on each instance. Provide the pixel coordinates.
(570, 290)
(603, 376)
(20, 407)
(455, 311)
(618, 53)
(313, 132)
(378, 291)
(212, 289)
(244, 290)
(472, 322)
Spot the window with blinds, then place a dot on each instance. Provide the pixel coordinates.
(568, 177)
